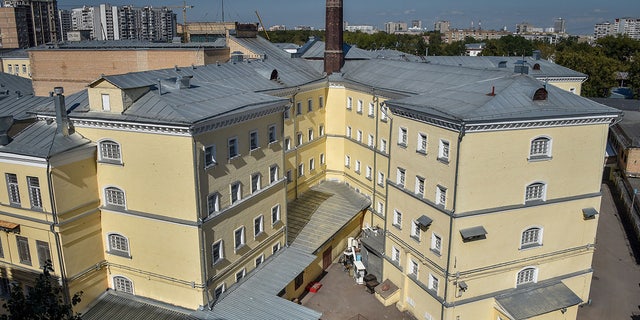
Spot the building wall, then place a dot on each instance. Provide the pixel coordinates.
(18, 67)
(15, 31)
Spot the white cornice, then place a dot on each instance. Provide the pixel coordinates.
(12, 158)
(126, 126)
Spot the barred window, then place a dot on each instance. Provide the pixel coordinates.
(34, 192)
(118, 244)
(535, 191)
(540, 147)
(12, 188)
(122, 284)
(114, 196)
(527, 275)
(531, 237)
(110, 151)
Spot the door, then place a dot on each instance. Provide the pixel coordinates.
(326, 258)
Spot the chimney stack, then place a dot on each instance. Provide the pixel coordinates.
(333, 55)
(62, 120)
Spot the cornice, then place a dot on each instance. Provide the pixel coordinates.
(225, 121)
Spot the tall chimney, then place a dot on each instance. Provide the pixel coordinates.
(333, 55)
(62, 120)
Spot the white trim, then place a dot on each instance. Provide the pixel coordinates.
(540, 237)
(104, 196)
(535, 275)
(544, 191)
(11, 158)
(106, 160)
(113, 283)
(109, 249)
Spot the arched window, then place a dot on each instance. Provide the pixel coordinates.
(118, 244)
(110, 151)
(535, 191)
(536, 66)
(122, 284)
(274, 75)
(527, 275)
(540, 94)
(540, 148)
(114, 197)
(531, 237)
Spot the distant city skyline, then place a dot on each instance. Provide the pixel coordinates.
(580, 15)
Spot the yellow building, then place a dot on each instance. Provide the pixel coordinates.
(17, 63)
(228, 188)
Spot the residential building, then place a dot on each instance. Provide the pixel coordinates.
(64, 16)
(559, 26)
(41, 19)
(442, 26)
(16, 62)
(621, 26)
(252, 176)
(395, 27)
(461, 34)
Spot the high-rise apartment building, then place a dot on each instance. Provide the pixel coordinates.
(64, 16)
(395, 27)
(442, 26)
(559, 26)
(38, 17)
(621, 26)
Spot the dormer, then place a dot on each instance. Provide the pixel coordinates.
(105, 95)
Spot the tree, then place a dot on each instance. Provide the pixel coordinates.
(44, 301)
(600, 69)
(634, 75)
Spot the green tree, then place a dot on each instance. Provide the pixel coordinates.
(634, 75)
(600, 69)
(44, 301)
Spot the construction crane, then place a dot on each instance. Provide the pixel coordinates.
(184, 8)
(263, 27)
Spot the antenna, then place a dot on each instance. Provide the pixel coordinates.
(222, 10)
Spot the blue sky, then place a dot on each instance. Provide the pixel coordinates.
(580, 15)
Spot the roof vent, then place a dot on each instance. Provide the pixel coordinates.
(536, 66)
(540, 95)
(274, 75)
(184, 82)
(502, 64)
(493, 91)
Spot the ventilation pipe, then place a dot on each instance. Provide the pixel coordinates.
(62, 119)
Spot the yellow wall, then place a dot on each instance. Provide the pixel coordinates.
(17, 66)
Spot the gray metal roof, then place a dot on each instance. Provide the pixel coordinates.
(115, 305)
(525, 303)
(41, 140)
(316, 51)
(473, 232)
(321, 212)
(424, 221)
(19, 107)
(256, 296)
(373, 240)
(16, 53)
(589, 212)
(547, 68)
(15, 83)
(127, 45)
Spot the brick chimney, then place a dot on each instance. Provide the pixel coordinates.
(333, 55)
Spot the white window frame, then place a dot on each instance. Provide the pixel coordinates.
(242, 241)
(531, 276)
(109, 194)
(535, 191)
(415, 230)
(259, 260)
(312, 164)
(322, 159)
(383, 146)
(434, 283)
(218, 247)
(210, 156)
(395, 254)
(213, 203)
(220, 290)
(232, 143)
(273, 174)
(13, 189)
(531, 237)
(422, 143)
(256, 182)
(321, 130)
(348, 132)
(118, 244)
(369, 173)
(436, 243)
(309, 105)
(259, 223)
(401, 174)
(357, 168)
(287, 144)
(35, 196)
(237, 194)
(441, 195)
(540, 148)
(301, 170)
(275, 214)
(380, 178)
(310, 134)
(126, 282)
(402, 136)
(349, 103)
(397, 218)
(347, 161)
(275, 248)
(272, 133)
(370, 140)
(419, 186)
(254, 141)
(444, 150)
(241, 274)
(106, 102)
(299, 139)
(380, 207)
(413, 267)
(359, 135)
(298, 108)
(360, 105)
(371, 109)
(110, 151)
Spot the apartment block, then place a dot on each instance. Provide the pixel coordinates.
(620, 26)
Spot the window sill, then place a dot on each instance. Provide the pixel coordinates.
(436, 252)
(539, 158)
(368, 178)
(359, 112)
(443, 160)
(207, 167)
(237, 156)
(257, 235)
(113, 162)
(119, 254)
(402, 145)
(530, 246)
(416, 238)
(371, 116)
(423, 152)
(238, 248)
(272, 142)
(254, 149)
(533, 202)
(397, 226)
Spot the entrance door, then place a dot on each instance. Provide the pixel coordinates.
(326, 258)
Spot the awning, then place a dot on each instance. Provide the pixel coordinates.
(424, 221)
(474, 233)
(538, 300)
(9, 226)
(589, 213)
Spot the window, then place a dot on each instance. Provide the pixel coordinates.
(322, 160)
(299, 139)
(368, 173)
(209, 156)
(23, 250)
(310, 134)
(420, 186)
(441, 195)
(118, 245)
(443, 150)
(383, 145)
(217, 252)
(239, 239)
(433, 283)
(400, 174)
(24, 68)
(289, 177)
(359, 110)
(110, 151)
(259, 260)
(233, 147)
(309, 105)
(275, 247)
(402, 136)
(347, 161)
(321, 130)
(422, 143)
(240, 274)
(397, 219)
(273, 174)
(275, 214)
(287, 143)
(357, 166)
(1, 256)
(540, 148)
(527, 275)
(413, 268)
(535, 191)
(253, 140)
(301, 170)
(380, 178)
(415, 230)
(236, 192)
(359, 135)
(106, 102)
(10, 69)
(380, 207)
(220, 290)
(272, 133)
(436, 243)
(320, 102)
(312, 164)
(531, 237)
(370, 141)
(298, 108)
(395, 254)
(12, 188)
(383, 114)
(122, 284)
(349, 103)
(287, 114)
(114, 197)
(371, 108)
(258, 225)
(213, 203)
(348, 132)
(255, 183)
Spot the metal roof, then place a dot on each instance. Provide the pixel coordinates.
(14, 83)
(322, 211)
(255, 297)
(116, 305)
(424, 221)
(473, 232)
(15, 54)
(589, 212)
(41, 140)
(316, 51)
(127, 45)
(531, 301)
(19, 107)
(547, 68)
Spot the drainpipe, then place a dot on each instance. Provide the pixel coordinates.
(294, 115)
(455, 198)
(201, 234)
(375, 156)
(386, 189)
(54, 214)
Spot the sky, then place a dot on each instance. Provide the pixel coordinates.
(580, 15)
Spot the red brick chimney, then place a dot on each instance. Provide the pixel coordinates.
(333, 55)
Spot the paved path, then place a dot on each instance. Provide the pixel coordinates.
(615, 289)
